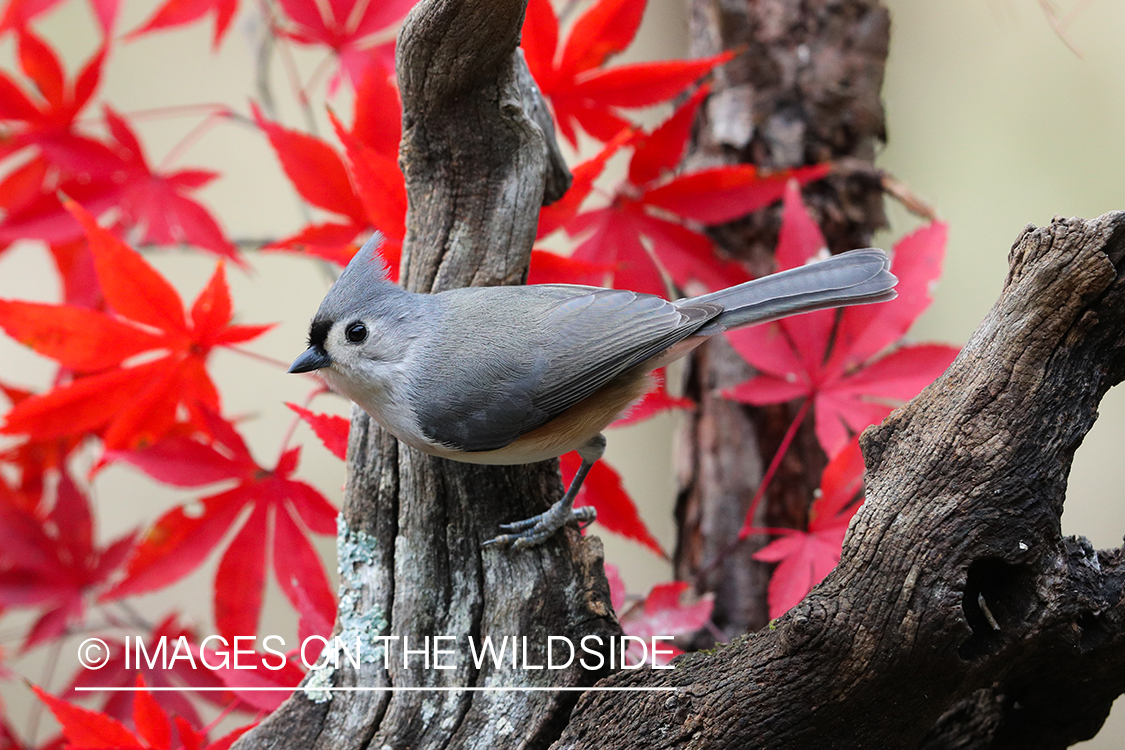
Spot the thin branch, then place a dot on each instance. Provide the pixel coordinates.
(1060, 24)
(748, 528)
(192, 136)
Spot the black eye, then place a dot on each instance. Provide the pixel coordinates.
(356, 332)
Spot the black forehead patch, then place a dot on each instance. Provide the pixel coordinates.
(318, 333)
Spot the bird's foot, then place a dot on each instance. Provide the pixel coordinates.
(531, 532)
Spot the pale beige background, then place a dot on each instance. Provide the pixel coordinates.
(991, 118)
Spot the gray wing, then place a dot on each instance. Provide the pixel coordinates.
(530, 353)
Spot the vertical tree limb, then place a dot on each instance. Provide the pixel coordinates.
(479, 160)
(805, 90)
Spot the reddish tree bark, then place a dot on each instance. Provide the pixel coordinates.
(805, 91)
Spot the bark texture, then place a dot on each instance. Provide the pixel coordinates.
(479, 157)
(804, 90)
(958, 616)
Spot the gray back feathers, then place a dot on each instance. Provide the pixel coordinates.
(523, 355)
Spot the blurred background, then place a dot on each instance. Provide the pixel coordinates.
(993, 118)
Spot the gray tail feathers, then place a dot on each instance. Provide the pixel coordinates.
(852, 278)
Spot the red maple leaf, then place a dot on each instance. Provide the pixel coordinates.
(90, 730)
(662, 613)
(45, 124)
(156, 203)
(180, 12)
(32, 461)
(560, 213)
(359, 32)
(128, 404)
(849, 362)
(262, 499)
(17, 14)
(805, 557)
(634, 233)
(368, 192)
(580, 91)
(153, 204)
(48, 559)
(185, 670)
(330, 428)
(616, 510)
(379, 183)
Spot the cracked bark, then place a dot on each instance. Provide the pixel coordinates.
(958, 616)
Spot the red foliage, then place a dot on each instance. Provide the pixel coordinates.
(89, 730)
(127, 405)
(99, 175)
(616, 511)
(186, 671)
(331, 429)
(639, 211)
(805, 557)
(368, 192)
(49, 560)
(350, 28)
(662, 613)
(47, 123)
(132, 386)
(179, 12)
(182, 538)
(18, 14)
(581, 92)
(850, 362)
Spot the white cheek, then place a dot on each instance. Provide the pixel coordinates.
(360, 385)
(377, 389)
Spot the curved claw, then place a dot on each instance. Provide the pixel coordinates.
(537, 529)
(533, 531)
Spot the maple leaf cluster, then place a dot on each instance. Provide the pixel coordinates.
(132, 384)
(851, 368)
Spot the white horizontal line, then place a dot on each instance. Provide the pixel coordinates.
(377, 689)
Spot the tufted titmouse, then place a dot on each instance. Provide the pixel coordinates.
(517, 374)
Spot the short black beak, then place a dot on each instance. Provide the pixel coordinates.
(312, 359)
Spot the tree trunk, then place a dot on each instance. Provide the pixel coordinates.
(805, 91)
(479, 157)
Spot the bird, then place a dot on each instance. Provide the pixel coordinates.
(518, 374)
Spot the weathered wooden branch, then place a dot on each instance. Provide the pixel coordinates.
(479, 158)
(959, 616)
